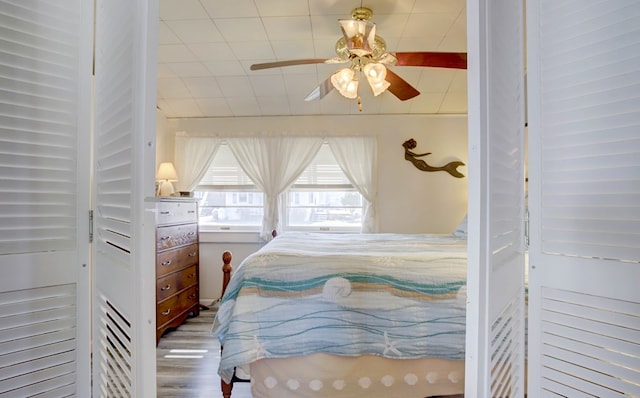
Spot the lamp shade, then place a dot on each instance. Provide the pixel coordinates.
(166, 172)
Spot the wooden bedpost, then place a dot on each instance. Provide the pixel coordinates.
(226, 270)
(226, 276)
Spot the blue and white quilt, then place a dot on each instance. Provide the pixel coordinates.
(392, 295)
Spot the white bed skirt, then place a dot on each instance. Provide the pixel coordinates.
(324, 375)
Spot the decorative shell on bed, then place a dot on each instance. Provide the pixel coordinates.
(336, 288)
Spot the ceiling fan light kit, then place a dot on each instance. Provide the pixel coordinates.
(367, 53)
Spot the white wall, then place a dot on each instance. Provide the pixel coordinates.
(409, 200)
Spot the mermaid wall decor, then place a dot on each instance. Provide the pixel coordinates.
(413, 157)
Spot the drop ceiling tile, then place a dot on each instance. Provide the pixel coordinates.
(216, 107)
(266, 86)
(181, 9)
(288, 28)
(196, 31)
(203, 87)
(422, 6)
(299, 86)
(230, 9)
(166, 35)
(241, 29)
(454, 102)
(432, 25)
(391, 7)
(165, 71)
(235, 86)
(390, 25)
(342, 8)
(459, 82)
(426, 103)
(244, 106)
(253, 50)
(434, 80)
(172, 87)
(225, 68)
(271, 8)
(274, 105)
(456, 38)
(304, 107)
(212, 51)
(293, 49)
(175, 53)
(184, 107)
(325, 28)
(164, 107)
(188, 69)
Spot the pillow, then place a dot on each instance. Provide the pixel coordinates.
(461, 229)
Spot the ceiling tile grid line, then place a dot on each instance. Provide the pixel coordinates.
(206, 48)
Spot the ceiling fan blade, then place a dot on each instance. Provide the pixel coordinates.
(278, 64)
(433, 59)
(399, 87)
(320, 91)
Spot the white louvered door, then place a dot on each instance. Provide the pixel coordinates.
(45, 87)
(584, 157)
(124, 136)
(495, 308)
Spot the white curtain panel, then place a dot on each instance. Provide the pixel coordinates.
(357, 158)
(273, 164)
(193, 156)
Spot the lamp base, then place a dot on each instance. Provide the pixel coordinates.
(166, 188)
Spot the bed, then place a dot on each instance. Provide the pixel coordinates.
(344, 315)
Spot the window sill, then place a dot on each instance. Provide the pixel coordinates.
(227, 236)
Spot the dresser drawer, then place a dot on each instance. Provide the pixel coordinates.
(176, 235)
(174, 306)
(173, 283)
(173, 260)
(177, 212)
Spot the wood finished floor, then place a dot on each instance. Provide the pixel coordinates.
(192, 377)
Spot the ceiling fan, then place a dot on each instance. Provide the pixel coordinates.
(367, 54)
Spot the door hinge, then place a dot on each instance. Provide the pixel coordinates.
(526, 228)
(90, 226)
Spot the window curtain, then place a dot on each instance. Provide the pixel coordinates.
(273, 164)
(192, 157)
(357, 157)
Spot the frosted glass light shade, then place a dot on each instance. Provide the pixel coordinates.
(376, 74)
(359, 35)
(346, 82)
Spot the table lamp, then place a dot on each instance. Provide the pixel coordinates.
(166, 175)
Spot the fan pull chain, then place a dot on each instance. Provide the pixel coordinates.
(359, 104)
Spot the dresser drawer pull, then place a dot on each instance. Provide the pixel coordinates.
(191, 275)
(167, 312)
(165, 237)
(193, 254)
(168, 262)
(165, 288)
(192, 296)
(191, 211)
(191, 233)
(164, 213)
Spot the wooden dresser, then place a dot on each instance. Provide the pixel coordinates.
(177, 257)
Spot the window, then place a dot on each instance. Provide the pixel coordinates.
(322, 198)
(228, 199)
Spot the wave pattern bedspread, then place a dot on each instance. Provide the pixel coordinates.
(392, 295)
